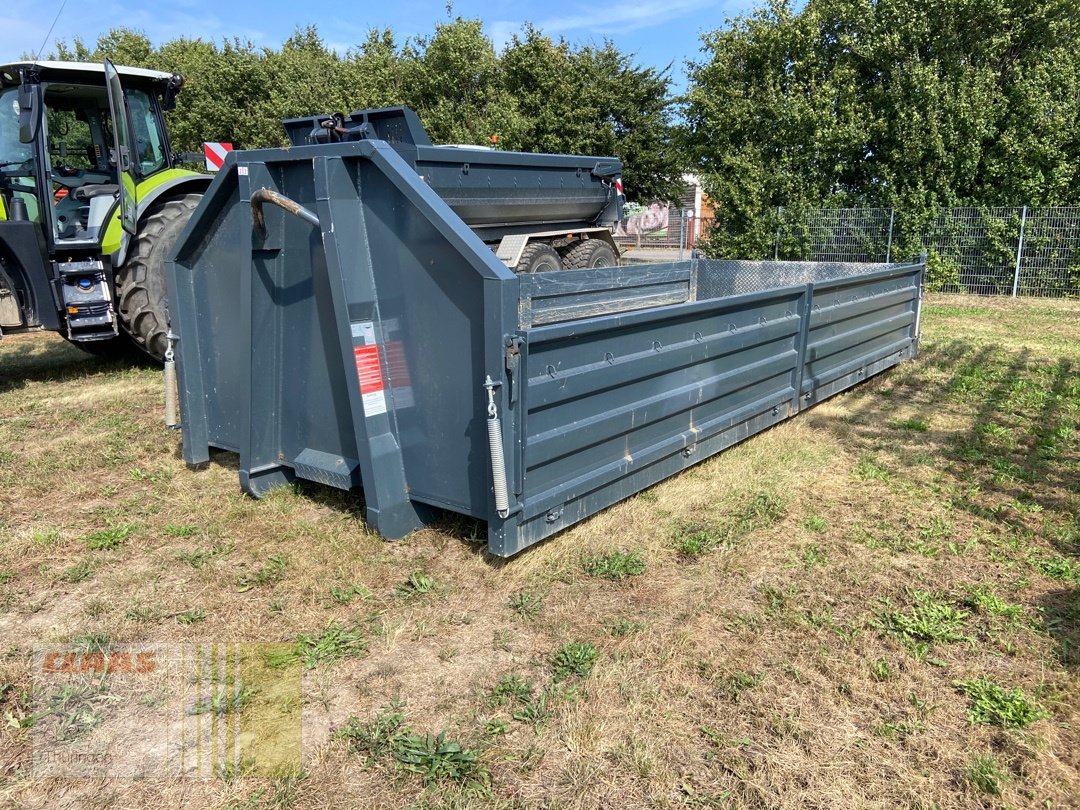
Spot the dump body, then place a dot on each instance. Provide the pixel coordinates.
(497, 193)
(372, 349)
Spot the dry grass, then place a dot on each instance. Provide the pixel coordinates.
(809, 602)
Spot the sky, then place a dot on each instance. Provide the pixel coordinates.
(659, 32)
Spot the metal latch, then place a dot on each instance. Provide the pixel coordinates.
(514, 345)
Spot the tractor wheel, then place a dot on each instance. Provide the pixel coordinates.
(590, 253)
(538, 258)
(140, 281)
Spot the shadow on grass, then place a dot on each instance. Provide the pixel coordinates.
(49, 360)
(1061, 615)
(1018, 439)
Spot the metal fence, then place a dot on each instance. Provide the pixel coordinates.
(835, 234)
(985, 251)
(667, 228)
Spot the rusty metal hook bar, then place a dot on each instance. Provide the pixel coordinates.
(265, 195)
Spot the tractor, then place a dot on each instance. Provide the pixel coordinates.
(91, 202)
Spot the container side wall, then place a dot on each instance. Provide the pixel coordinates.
(859, 326)
(617, 403)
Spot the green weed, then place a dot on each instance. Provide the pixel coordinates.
(740, 682)
(417, 584)
(376, 736)
(184, 530)
(192, 616)
(615, 565)
(527, 604)
(107, 539)
(537, 710)
(930, 619)
(79, 572)
(201, 557)
(333, 644)
(92, 642)
(272, 572)
(986, 599)
(229, 699)
(625, 627)
(511, 688)
(813, 555)
(434, 757)
(1056, 567)
(345, 595)
(916, 424)
(573, 658)
(993, 705)
(868, 470)
(880, 670)
(937, 529)
(695, 542)
(45, 537)
(984, 773)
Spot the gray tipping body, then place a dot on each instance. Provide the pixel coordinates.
(354, 353)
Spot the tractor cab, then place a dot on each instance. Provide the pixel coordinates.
(61, 154)
(83, 153)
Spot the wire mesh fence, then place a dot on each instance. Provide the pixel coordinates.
(660, 227)
(835, 234)
(718, 278)
(983, 251)
(1049, 263)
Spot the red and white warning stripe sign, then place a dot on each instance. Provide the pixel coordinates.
(618, 187)
(215, 154)
(368, 368)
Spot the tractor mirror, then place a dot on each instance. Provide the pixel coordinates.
(29, 113)
(172, 89)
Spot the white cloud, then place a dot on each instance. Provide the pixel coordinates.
(608, 21)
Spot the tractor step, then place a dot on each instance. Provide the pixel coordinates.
(86, 289)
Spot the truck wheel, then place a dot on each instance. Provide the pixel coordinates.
(140, 281)
(590, 253)
(538, 258)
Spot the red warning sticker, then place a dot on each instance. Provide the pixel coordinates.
(369, 369)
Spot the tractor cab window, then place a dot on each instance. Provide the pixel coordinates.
(82, 170)
(16, 159)
(149, 149)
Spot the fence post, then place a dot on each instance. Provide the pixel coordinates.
(682, 233)
(888, 247)
(1019, 252)
(776, 244)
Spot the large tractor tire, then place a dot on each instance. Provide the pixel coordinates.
(589, 253)
(538, 258)
(140, 281)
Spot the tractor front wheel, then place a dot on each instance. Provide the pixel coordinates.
(140, 281)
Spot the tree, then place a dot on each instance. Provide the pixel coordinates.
(538, 95)
(899, 103)
(593, 101)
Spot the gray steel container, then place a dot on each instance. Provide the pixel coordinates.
(497, 193)
(362, 336)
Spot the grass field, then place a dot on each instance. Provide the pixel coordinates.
(873, 605)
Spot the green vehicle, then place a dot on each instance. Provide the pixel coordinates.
(91, 202)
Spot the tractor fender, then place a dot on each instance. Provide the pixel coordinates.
(161, 186)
